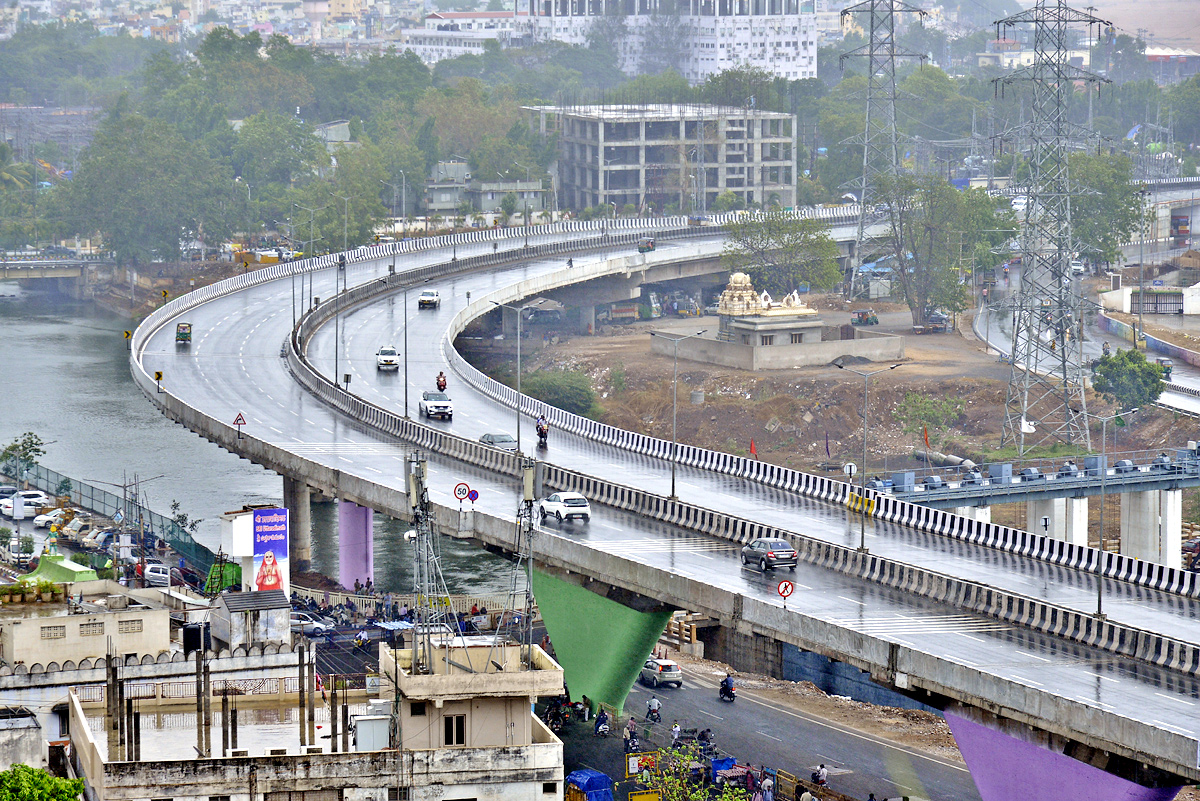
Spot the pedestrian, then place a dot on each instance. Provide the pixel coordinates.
(357, 587)
(474, 610)
(807, 796)
(870, 797)
(768, 788)
(632, 726)
(675, 731)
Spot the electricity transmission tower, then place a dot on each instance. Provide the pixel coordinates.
(880, 143)
(431, 605)
(1045, 398)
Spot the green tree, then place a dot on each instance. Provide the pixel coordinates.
(25, 450)
(1106, 208)
(780, 251)
(565, 389)
(23, 783)
(919, 414)
(675, 779)
(276, 149)
(13, 175)
(728, 201)
(508, 204)
(1128, 380)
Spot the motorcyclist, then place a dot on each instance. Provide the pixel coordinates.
(1106, 349)
(441, 381)
(727, 685)
(542, 426)
(601, 720)
(652, 709)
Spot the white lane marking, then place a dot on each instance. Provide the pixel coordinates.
(1040, 658)
(710, 714)
(347, 461)
(769, 737)
(276, 430)
(850, 600)
(969, 637)
(1109, 678)
(1173, 698)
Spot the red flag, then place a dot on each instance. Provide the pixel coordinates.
(926, 436)
(753, 450)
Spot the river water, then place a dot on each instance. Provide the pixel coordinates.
(65, 369)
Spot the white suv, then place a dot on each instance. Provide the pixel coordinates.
(566, 506)
(429, 299)
(436, 404)
(386, 358)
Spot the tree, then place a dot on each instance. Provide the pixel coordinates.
(275, 149)
(508, 204)
(23, 783)
(1128, 380)
(1106, 209)
(924, 415)
(570, 391)
(780, 251)
(675, 779)
(25, 450)
(13, 175)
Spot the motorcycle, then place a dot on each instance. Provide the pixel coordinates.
(728, 693)
(632, 746)
(441, 383)
(543, 431)
(654, 716)
(602, 730)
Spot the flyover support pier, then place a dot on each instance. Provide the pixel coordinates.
(1061, 518)
(356, 543)
(297, 498)
(1150, 526)
(980, 514)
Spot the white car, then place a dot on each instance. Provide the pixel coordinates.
(566, 506)
(436, 404)
(429, 299)
(386, 358)
(1078, 267)
(53, 517)
(503, 441)
(34, 499)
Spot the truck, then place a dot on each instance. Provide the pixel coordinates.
(625, 311)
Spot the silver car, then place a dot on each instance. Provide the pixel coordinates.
(661, 671)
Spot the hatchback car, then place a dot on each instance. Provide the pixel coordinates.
(386, 358)
(769, 554)
(308, 623)
(429, 299)
(661, 671)
(503, 441)
(566, 506)
(436, 404)
(53, 517)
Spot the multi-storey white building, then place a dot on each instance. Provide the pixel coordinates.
(698, 38)
(662, 155)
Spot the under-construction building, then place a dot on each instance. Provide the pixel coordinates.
(670, 155)
(698, 38)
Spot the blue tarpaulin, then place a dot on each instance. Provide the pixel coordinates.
(595, 785)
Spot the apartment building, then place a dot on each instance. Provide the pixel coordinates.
(664, 155)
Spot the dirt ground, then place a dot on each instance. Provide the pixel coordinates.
(788, 414)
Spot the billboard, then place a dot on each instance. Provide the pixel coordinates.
(271, 549)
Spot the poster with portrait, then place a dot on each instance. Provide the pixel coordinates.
(270, 550)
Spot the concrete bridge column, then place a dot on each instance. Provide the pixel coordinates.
(1150, 526)
(356, 543)
(508, 322)
(587, 319)
(1055, 512)
(1076, 521)
(980, 514)
(297, 498)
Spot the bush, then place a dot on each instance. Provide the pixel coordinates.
(570, 391)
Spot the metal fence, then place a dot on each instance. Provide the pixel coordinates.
(107, 504)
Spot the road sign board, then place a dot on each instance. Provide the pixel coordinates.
(164, 294)
(240, 420)
(158, 375)
(850, 468)
(785, 588)
(473, 496)
(128, 334)
(461, 491)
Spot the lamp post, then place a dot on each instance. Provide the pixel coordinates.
(1103, 495)
(526, 223)
(518, 310)
(337, 317)
(308, 252)
(1141, 334)
(675, 401)
(346, 216)
(866, 377)
(402, 192)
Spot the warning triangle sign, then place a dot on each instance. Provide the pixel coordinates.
(240, 420)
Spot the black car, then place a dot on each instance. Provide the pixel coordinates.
(769, 554)
(57, 250)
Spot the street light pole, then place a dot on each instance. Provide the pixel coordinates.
(866, 377)
(345, 218)
(518, 310)
(1141, 334)
(675, 401)
(1103, 496)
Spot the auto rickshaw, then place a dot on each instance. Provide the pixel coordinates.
(864, 317)
(183, 334)
(645, 244)
(1167, 366)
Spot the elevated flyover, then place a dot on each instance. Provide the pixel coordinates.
(1033, 667)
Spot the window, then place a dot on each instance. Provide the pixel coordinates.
(129, 626)
(456, 729)
(54, 632)
(766, 339)
(397, 794)
(797, 337)
(549, 788)
(417, 709)
(91, 629)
